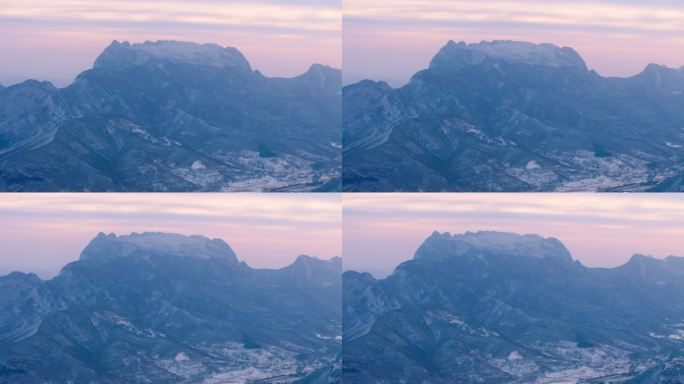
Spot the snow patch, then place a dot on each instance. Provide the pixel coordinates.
(181, 356)
(195, 246)
(176, 51)
(506, 243)
(197, 165)
(268, 364)
(679, 335)
(532, 165)
(510, 51)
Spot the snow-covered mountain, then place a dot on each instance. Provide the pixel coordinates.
(123, 55)
(172, 245)
(165, 308)
(460, 54)
(172, 116)
(530, 245)
(515, 116)
(492, 307)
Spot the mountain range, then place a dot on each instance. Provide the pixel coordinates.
(492, 307)
(515, 116)
(157, 307)
(173, 116)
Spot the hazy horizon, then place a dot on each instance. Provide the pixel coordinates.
(382, 230)
(391, 40)
(56, 40)
(41, 233)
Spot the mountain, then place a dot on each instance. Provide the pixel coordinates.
(173, 116)
(165, 308)
(515, 116)
(491, 307)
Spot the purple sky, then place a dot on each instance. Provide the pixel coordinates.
(392, 39)
(40, 233)
(383, 39)
(381, 230)
(57, 39)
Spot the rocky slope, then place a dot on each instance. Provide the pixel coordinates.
(162, 308)
(490, 307)
(172, 116)
(515, 116)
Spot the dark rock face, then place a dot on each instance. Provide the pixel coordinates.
(488, 307)
(168, 308)
(513, 116)
(172, 116)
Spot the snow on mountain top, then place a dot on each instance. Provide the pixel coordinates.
(462, 54)
(506, 243)
(118, 55)
(158, 243)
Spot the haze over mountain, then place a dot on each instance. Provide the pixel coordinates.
(515, 116)
(157, 307)
(491, 307)
(172, 116)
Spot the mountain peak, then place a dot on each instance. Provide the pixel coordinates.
(459, 55)
(445, 245)
(122, 55)
(652, 67)
(323, 76)
(20, 278)
(381, 86)
(320, 68)
(35, 84)
(638, 258)
(336, 260)
(107, 246)
(659, 70)
(306, 259)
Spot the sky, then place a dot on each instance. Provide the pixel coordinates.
(40, 233)
(57, 39)
(601, 230)
(392, 39)
(379, 39)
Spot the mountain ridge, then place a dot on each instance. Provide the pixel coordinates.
(473, 47)
(162, 315)
(483, 316)
(453, 54)
(172, 116)
(493, 116)
(115, 44)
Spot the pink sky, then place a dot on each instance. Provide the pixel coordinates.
(42, 232)
(602, 230)
(392, 39)
(57, 39)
